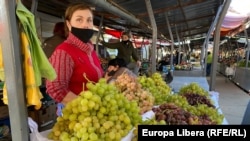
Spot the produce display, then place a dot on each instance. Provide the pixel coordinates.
(175, 115)
(196, 99)
(193, 88)
(101, 113)
(243, 63)
(133, 91)
(196, 95)
(183, 67)
(156, 86)
(111, 111)
(201, 106)
(152, 121)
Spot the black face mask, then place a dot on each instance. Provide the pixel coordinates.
(111, 73)
(125, 42)
(82, 34)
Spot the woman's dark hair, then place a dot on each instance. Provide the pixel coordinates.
(59, 29)
(117, 62)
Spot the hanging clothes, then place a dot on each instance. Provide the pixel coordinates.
(1, 64)
(36, 65)
(33, 94)
(41, 64)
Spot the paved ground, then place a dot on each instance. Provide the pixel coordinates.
(232, 99)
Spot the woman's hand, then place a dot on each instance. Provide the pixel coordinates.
(69, 97)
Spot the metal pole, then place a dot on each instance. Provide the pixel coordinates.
(172, 43)
(203, 60)
(248, 48)
(217, 44)
(98, 35)
(10, 40)
(179, 44)
(154, 40)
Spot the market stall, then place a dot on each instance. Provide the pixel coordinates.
(241, 77)
(68, 123)
(13, 69)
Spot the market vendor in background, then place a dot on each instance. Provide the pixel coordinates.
(75, 60)
(116, 67)
(164, 62)
(52, 42)
(209, 63)
(126, 51)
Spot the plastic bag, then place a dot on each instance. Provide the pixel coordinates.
(35, 134)
(229, 71)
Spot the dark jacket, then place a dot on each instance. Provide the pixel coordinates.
(125, 51)
(51, 43)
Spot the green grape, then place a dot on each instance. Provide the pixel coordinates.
(91, 104)
(84, 136)
(72, 117)
(94, 117)
(87, 94)
(84, 102)
(73, 139)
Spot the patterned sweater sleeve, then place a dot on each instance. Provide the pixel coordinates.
(63, 65)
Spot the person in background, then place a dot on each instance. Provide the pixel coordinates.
(126, 51)
(163, 62)
(116, 67)
(75, 60)
(52, 42)
(209, 63)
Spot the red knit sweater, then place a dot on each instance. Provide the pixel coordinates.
(72, 60)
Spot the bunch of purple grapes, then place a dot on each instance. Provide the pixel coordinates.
(175, 115)
(195, 99)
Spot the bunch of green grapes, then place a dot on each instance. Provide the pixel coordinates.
(156, 86)
(177, 100)
(133, 91)
(101, 113)
(202, 110)
(152, 121)
(193, 88)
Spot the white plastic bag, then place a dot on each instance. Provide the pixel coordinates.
(35, 134)
(229, 71)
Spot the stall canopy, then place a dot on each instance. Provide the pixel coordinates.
(237, 18)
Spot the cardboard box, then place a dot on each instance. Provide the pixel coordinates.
(4, 112)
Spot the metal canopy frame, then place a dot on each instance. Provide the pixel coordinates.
(192, 18)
